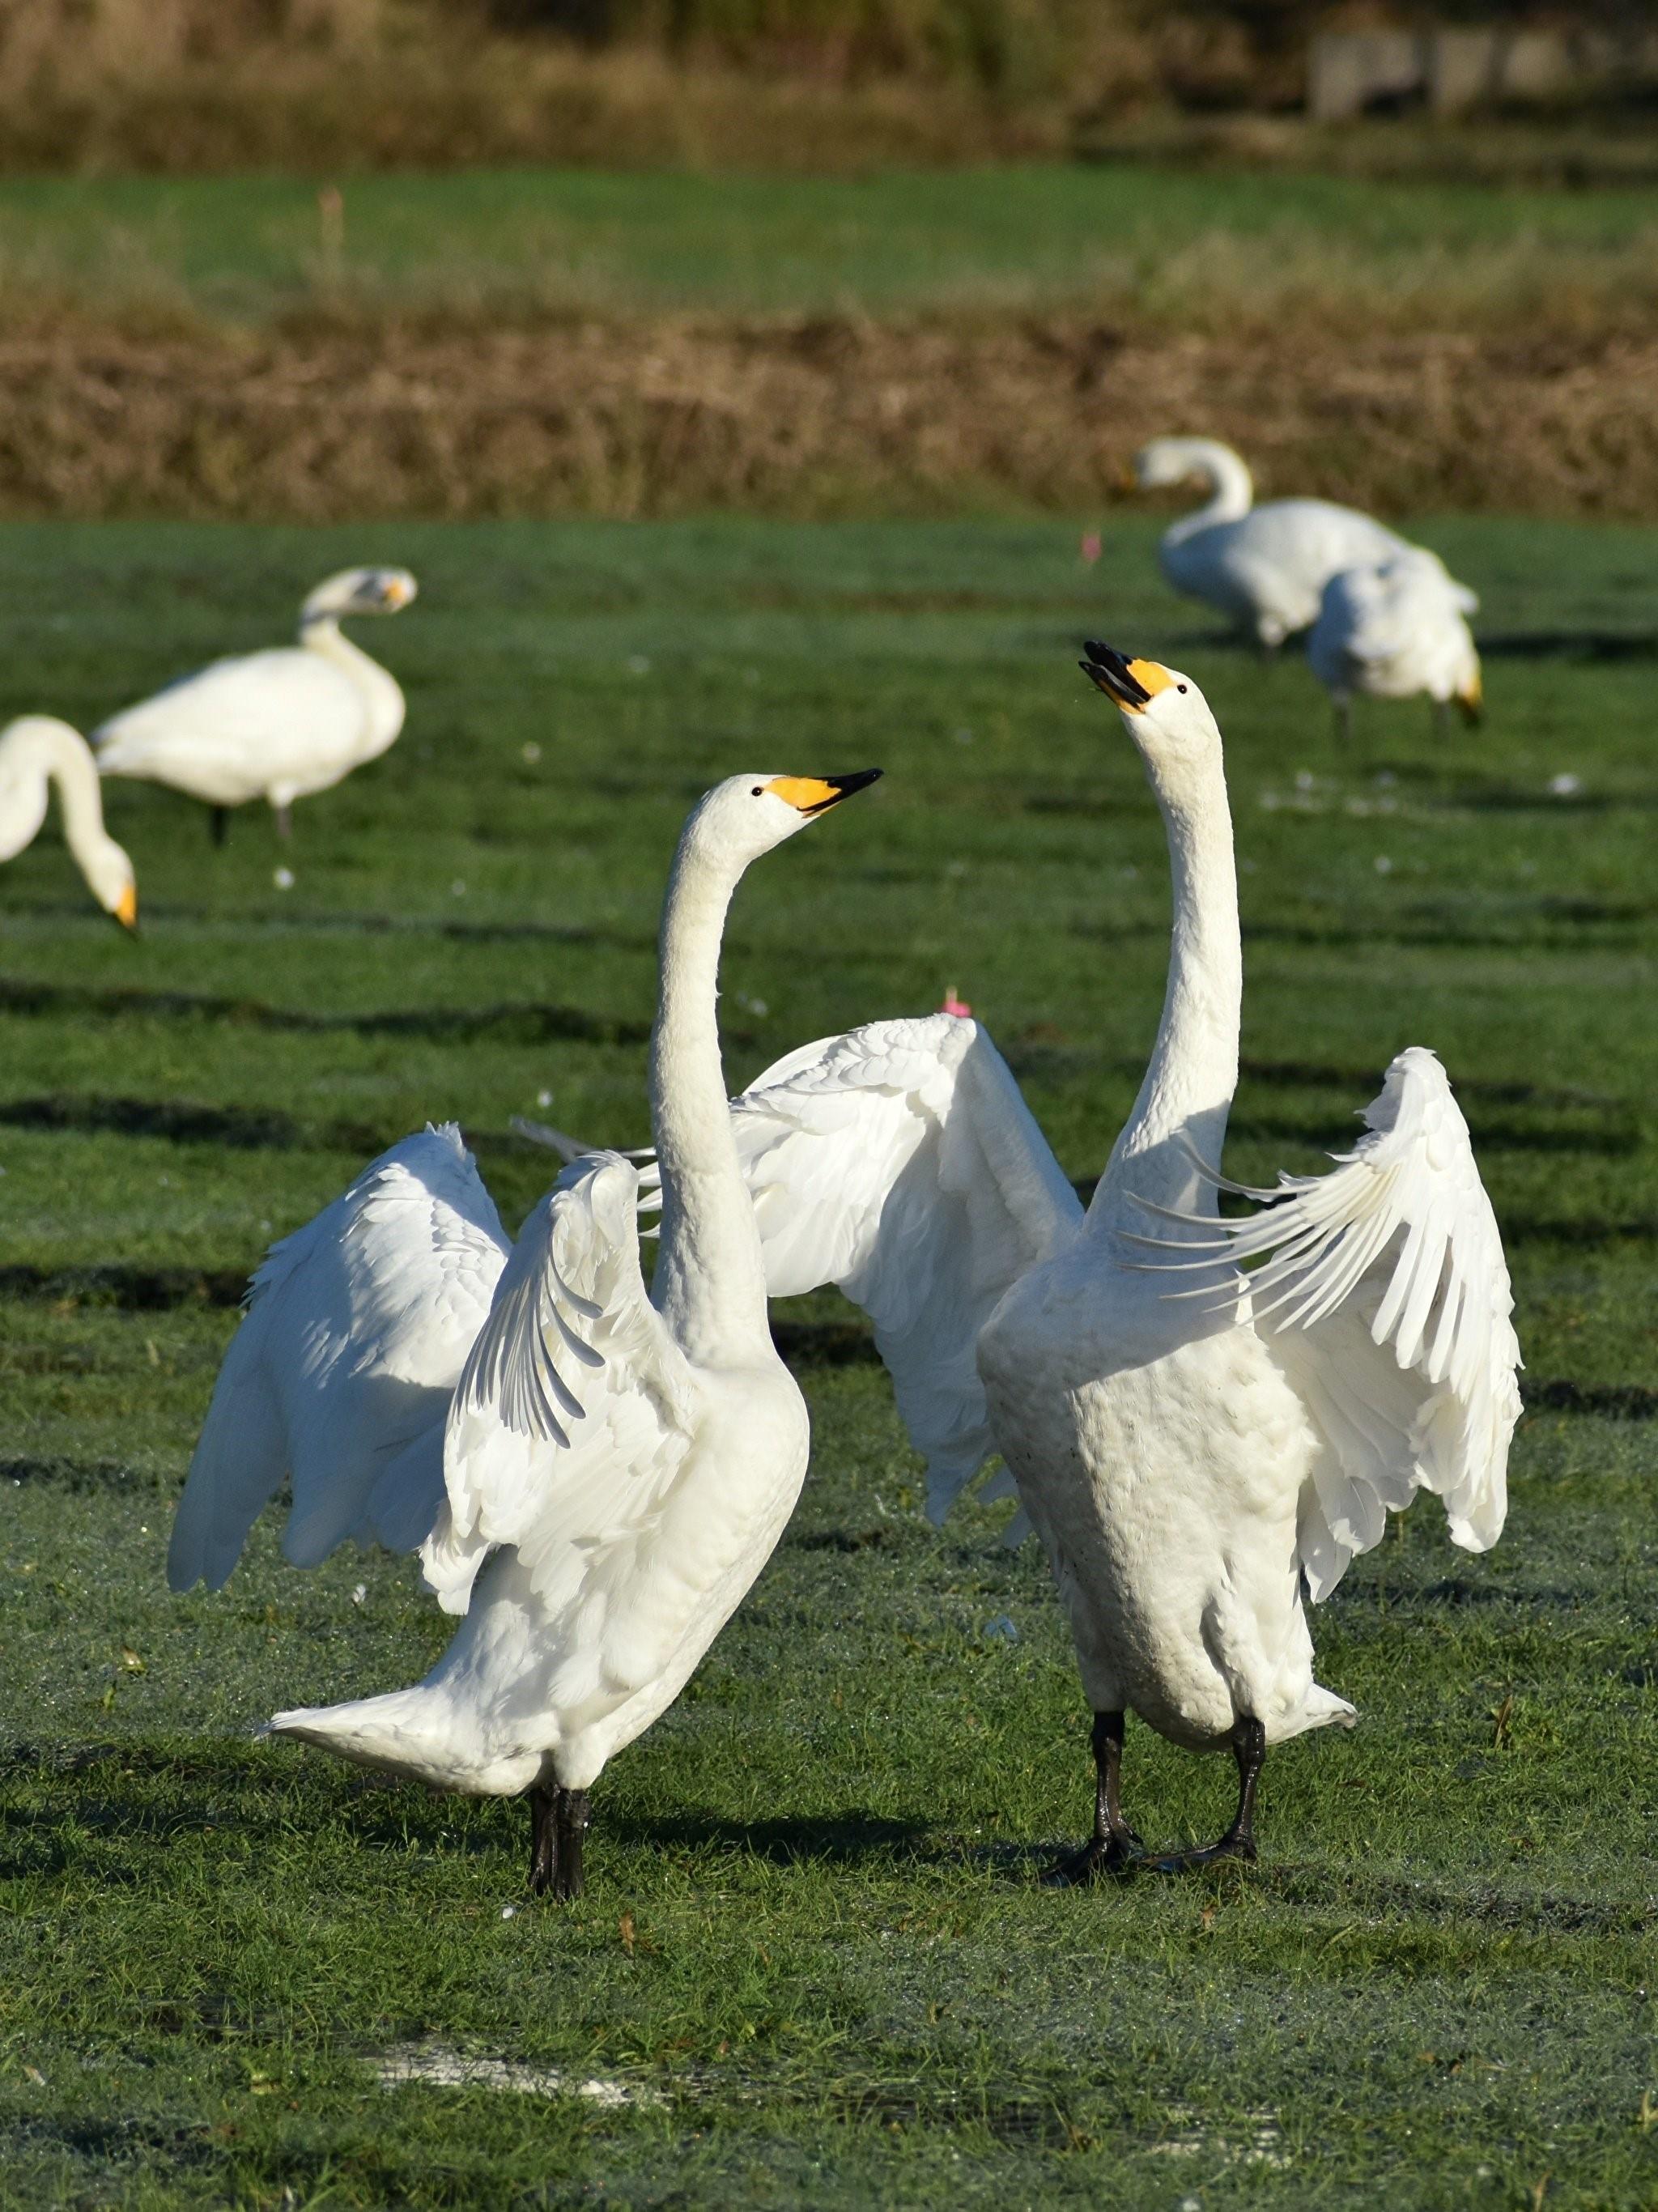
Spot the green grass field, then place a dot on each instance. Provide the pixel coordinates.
(813, 1952)
(1127, 238)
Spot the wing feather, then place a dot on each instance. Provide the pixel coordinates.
(355, 1329)
(1390, 1311)
(576, 1407)
(899, 1163)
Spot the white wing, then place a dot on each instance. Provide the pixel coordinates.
(899, 1163)
(340, 1374)
(1386, 1299)
(237, 728)
(576, 1407)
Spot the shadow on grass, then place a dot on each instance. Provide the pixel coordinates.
(848, 1839)
(522, 1024)
(181, 1121)
(1571, 645)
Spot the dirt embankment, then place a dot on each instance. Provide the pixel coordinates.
(810, 418)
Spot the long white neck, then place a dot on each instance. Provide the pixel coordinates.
(383, 700)
(1232, 493)
(710, 1283)
(63, 756)
(1187, 1091)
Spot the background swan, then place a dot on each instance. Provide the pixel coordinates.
(36, 751)
(1192, 1462)
(1267, 566)
(595, 1472)
(1395, 630)
(278, 725)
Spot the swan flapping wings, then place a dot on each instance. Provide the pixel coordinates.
(899, 1163)
(1385, 1297)
(340, 1374)
(575, 1409)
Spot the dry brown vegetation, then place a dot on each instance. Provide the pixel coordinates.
(816, 417)
(201, 86)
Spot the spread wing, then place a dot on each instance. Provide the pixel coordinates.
(339, 1375)
(1386, 1299)
(899, 1163)
(576, 1407)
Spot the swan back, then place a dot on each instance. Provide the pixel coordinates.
(1394, 629)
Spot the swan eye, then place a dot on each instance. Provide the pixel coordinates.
(1180, 687)
(758, 792)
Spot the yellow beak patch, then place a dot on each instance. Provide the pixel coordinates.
(126, 908)
(1152, 676)
(807, 792)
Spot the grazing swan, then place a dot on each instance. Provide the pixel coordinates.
(630, 1457)
(1267, 566)
(278, 725)
(1193, 1464)
(36, 751)
(1395, 630)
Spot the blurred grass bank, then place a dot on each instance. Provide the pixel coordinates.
(570, 340)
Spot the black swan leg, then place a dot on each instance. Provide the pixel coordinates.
(573, 1818)
(543, 1839)
(1250, 1749)
(1114, 1847)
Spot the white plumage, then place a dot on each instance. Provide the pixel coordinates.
(1194, 1446)
(278, 724)
(594, 1472)
(1266, 566)
(1395, 630)
(36, 752)
(339, 1377)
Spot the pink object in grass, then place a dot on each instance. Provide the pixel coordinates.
(1092, 547)
(953, 1005)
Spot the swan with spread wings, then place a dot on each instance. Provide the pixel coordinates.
(1197, 1447)
(594, 1472)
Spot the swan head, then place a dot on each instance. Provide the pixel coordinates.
(113, 882)
(1168, 461)
(1163, 711)
(359, 591)
(746, 815)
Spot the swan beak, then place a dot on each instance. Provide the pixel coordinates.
(816, 794)
(125, 909)
(396, 593)
(1472, 699)
(1130, 684)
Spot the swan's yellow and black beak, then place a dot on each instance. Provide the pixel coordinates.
(816, 794)
(1130, 684)
(1472, 699)
(125, 909)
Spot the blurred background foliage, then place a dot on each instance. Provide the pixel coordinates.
(181, 85)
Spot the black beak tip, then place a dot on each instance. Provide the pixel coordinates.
(859, 780)
(1109, 670)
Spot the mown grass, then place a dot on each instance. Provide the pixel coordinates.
(813, 1931)
(1135, 240)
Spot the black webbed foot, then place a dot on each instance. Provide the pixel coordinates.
(1101, 1858)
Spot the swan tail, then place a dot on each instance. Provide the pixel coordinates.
(1320, 1707)
(412, 1733)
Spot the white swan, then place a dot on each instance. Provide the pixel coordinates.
(36, 752)
(1191, 1463)
(278, 724)
(629, 1456)
(1395, 630)
(1267, 566)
